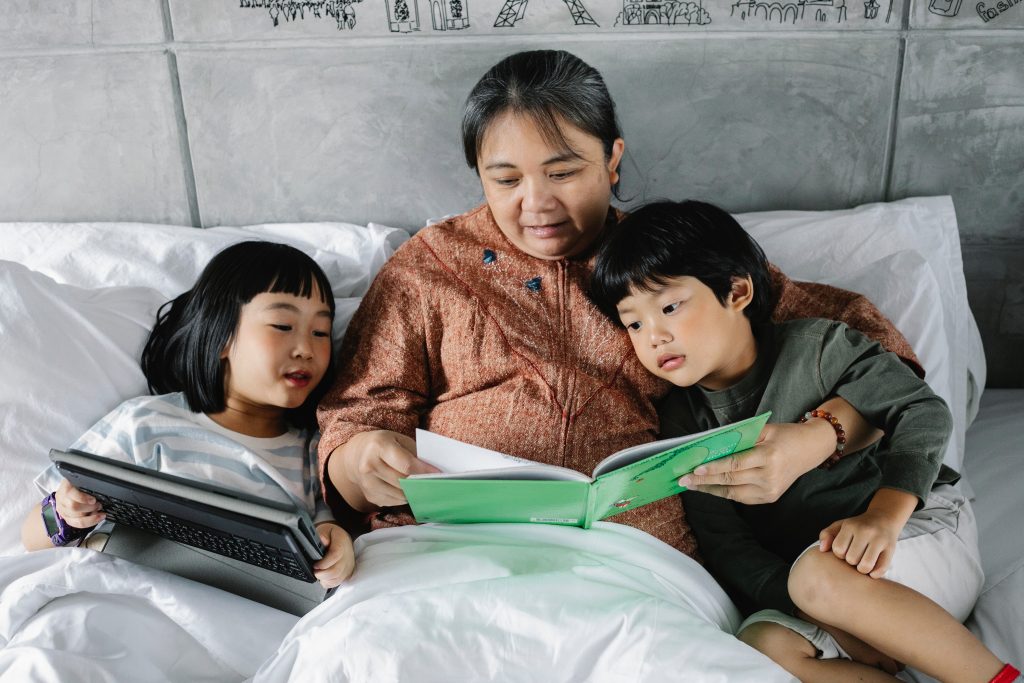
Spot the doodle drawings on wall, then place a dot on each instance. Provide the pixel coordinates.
(449, 15)
(825, 11)
(403, 16)
(987, 13)
(513, 10)
(291, 10)
(662, 13)
(400, 18)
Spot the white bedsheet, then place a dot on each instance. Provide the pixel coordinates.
(459, 603)
(72, 614)
(995, 464)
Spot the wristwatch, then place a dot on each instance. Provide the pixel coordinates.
(59, 531)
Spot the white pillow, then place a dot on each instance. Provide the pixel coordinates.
(67, 357)
(870, 249)
(169, 258)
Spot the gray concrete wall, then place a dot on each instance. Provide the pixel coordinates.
(212, 112)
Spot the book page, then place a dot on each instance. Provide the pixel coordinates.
(628, 456)
(459, 460)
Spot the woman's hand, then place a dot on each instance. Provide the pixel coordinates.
(366, 469)
(783, 453)
(339, 561)
(762, 474)
(77, 508)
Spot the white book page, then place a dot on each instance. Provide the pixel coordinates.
(459, 460)
(628, 456)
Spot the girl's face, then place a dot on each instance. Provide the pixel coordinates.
(278, 354)
(550, 203)
(681, 332)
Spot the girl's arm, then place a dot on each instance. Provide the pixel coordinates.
(77, 509)
(33, 534)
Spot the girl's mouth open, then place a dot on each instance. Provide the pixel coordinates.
(298, 379)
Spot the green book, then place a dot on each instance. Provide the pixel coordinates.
(480, 485)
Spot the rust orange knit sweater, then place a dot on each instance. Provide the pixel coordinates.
(463, 334)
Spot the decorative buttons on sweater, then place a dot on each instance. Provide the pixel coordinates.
(489, 257)
(533, 284)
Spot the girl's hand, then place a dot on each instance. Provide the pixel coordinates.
(868, 541)
(339, 561)
(762, 474)
(76, 508)
(375, 461)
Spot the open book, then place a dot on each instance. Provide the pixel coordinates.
(479, 485)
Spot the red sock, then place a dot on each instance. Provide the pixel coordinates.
(1006, 675)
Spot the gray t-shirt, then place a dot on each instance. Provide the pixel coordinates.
(800, 364)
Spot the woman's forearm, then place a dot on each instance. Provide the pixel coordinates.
(338, 477)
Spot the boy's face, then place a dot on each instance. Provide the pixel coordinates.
(681, 332)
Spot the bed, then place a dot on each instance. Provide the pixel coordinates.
(435, 603)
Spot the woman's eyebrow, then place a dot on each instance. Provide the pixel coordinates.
(567, 155)
(499, 164)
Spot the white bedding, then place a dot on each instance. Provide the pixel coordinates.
(472, 603)
(995, 463)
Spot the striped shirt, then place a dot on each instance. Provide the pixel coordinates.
(162, 433)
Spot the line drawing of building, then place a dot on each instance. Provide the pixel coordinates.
(402, 19)
(663, 12)
(773, 10)
(449, 15)
(341, 11)
(513, 10)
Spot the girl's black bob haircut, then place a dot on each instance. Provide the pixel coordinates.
(665, 240)
(550, 87)
(183, 352)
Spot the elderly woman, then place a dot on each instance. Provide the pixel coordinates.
(480, 328)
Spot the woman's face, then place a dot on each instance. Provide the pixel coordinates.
(550, 203)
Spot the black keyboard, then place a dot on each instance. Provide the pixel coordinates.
(246, 550)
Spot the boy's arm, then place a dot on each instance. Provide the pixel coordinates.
(916, 422)
(754, 577)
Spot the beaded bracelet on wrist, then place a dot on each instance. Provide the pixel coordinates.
(840, 435)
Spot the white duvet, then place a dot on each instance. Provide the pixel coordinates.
(429, 603)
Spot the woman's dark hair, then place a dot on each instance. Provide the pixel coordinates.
(183, 352)
(665, 240)
(549, 87)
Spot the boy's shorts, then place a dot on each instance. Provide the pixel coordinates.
(936, 555)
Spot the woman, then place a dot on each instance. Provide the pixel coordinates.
(479, 328)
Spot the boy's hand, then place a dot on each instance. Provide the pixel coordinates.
(339, 561)
(76, 508)
(868, 541)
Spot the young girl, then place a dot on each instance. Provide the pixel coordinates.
(237, 365)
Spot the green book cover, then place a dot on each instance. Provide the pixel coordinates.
(480, 485)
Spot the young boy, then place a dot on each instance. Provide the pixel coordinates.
(693, 291)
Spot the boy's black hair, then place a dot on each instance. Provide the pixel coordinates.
(183, 352)
(665, 240)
